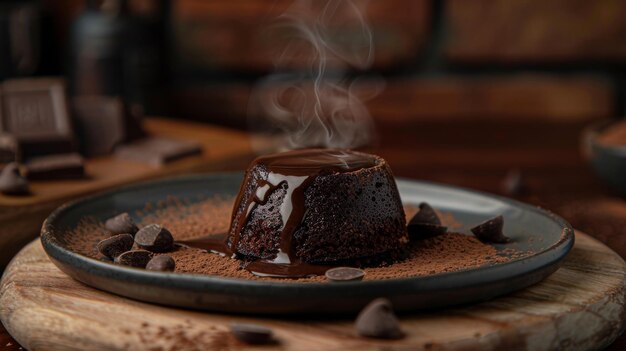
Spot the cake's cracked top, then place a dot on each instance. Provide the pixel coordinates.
(313, 162)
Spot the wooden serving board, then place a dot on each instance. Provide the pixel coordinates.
(580, 307)
(21, 216)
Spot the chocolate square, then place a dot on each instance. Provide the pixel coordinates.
(61, 166)
(158, 151)
(35, 112)
(100, 122)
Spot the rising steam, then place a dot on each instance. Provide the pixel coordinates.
(319, 106)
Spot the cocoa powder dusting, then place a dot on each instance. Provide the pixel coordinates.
(445, 253)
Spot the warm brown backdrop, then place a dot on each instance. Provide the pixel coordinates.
(474, 89)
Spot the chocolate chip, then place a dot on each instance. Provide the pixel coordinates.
(251, 333)
(513, 184)
(155, 238)
(121, 224)
(491, 231)
(115, 245)
(12, 182)
(377, 320)
(134, 258)
(426, 214)
(161, 263)
(342, 274)
(425, 223)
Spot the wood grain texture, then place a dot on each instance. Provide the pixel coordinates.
(580, 307)
(527, 31)
(21, 217)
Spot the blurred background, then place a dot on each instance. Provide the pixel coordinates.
(474, 85)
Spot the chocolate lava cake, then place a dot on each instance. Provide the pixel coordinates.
(317, 206)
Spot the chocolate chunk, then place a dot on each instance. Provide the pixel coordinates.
(425, 223)
(115, 245)
(134, 258)
(154, 238)
(491, 231)
(158, 151)
(121, 224)
(9, 148)
(426, 215)
(377, 320)
(61, 166)
(161, 263)
(513, 184)
(252, 333)
(12, 182)
(342, 274)
(100, 121)
(35, 112)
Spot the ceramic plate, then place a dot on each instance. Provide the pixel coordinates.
(546, 237)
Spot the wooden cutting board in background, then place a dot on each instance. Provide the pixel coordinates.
(21, 217)
(580, 307)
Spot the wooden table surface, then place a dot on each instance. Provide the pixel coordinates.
(479, 156)
(576, 308)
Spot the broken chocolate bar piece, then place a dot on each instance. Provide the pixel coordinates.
(12, 182)
(100, 122)
(63, 166)
(425, 223)
(158, 151)
(35, 112)
(9, 148)
(491, 231)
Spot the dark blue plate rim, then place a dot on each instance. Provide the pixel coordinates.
(469, 277)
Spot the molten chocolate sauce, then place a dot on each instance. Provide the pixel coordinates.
(297, 170)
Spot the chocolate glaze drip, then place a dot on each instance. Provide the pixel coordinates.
(297, 170)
